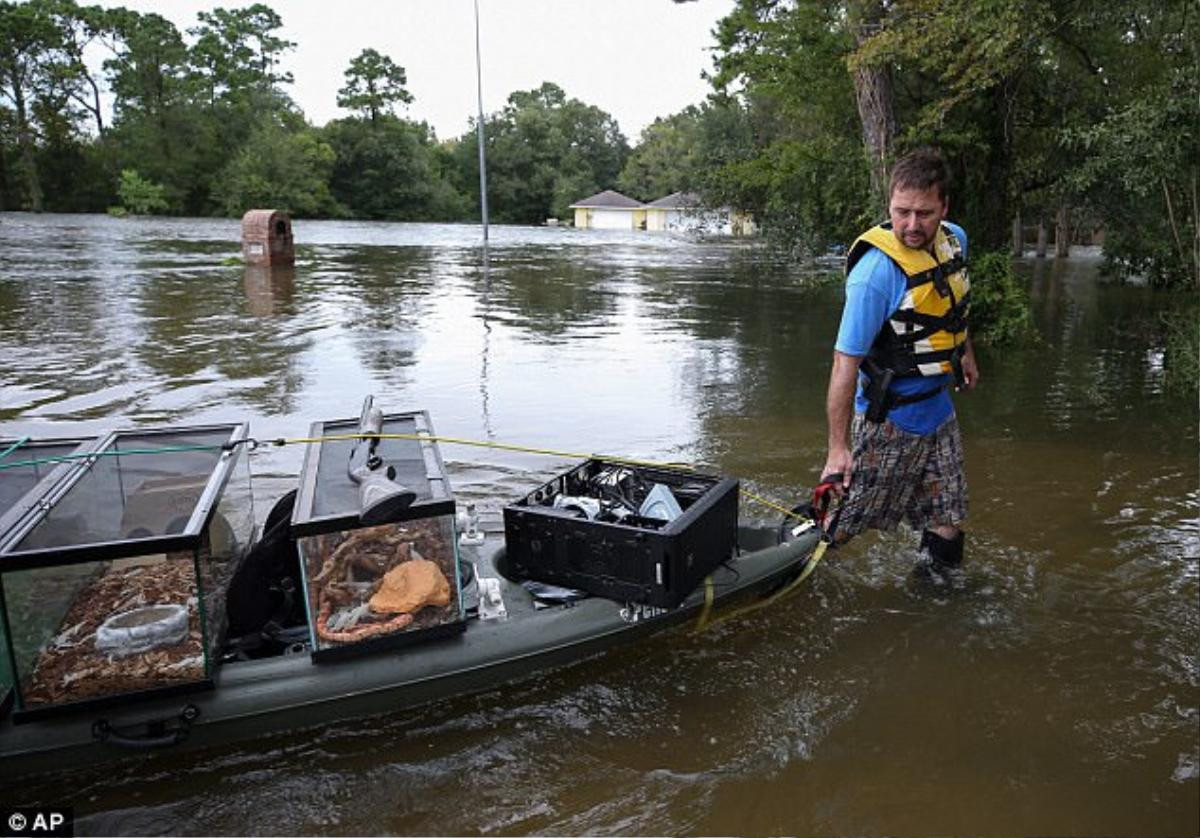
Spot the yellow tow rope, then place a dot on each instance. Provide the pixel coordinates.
(526, 449)
(705, 621)
(477, 443)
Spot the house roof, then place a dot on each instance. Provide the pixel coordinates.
(677, 200)
(608, 199)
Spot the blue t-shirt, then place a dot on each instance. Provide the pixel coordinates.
(875, 289)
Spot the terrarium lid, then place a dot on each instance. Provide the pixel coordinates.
(328, 499)
(135, 492)
(29, 467)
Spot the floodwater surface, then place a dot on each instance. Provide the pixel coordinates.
(1056, 691)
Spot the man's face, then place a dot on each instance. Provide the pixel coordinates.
(916, 214)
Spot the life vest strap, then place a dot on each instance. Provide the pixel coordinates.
(953, 321)
(938, 275)
(907, 364)
(881, 398)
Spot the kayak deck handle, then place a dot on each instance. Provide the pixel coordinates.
(148, 735)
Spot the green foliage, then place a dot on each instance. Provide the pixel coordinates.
(689, 152)
(810, 194)
(391, 169)
(667, 158)
(1141, 169)
(999, 302)
(278, 169)
(799, 167)
(28, 38)
(140, 196)
(544, 152)
(374, 84)
(1182, 356)
(236, 52)
(1036, 106)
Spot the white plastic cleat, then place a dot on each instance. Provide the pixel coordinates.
(491, 603)
(468, 522)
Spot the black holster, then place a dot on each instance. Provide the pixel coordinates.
(960, 380)
(878, 393)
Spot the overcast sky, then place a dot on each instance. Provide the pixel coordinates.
(635, 59)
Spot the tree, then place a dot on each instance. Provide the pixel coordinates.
(874, 96)
(1137, 162)
(1009, 90)
(374, 84)
(278, 168)
(157, 129)
(78, 28)
(545, 151)
(801, 168)
(236, 53)
(147, 70)
(27, 34)
(970, 66)
(667, 158)
(236, 80)
(691, 151)
(390, 169)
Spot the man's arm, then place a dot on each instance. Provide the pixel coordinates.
(970, 368)
(839, 408)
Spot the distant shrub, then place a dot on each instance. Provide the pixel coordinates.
(1182, 356)
(999, 302)
(141, 196)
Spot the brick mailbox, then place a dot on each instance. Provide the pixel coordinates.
(267, 238)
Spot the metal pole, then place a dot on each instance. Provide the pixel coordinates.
(483, 207)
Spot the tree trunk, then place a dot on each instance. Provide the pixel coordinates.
(1042, 237)
(1062, 234)
(1195, 230)
(93, 106)
(1018, 236)
(994, 201)
(874, 95)
(33, 185)
(96, 108)
(3, 179)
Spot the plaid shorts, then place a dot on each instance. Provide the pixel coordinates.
(900, 475)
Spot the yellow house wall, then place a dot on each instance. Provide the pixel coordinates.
(743, 224)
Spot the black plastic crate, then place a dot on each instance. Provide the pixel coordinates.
(636, 559)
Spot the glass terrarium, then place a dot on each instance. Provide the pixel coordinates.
(25, 465)
(374, 522)
(113, 572)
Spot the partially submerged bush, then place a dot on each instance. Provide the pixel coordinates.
(1182, 356)
(999, 302)
(141, 196)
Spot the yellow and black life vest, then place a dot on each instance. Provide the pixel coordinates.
(927, 334)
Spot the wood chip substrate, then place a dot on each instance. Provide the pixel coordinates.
(71, 669)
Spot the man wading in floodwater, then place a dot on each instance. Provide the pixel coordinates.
(902, 344)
